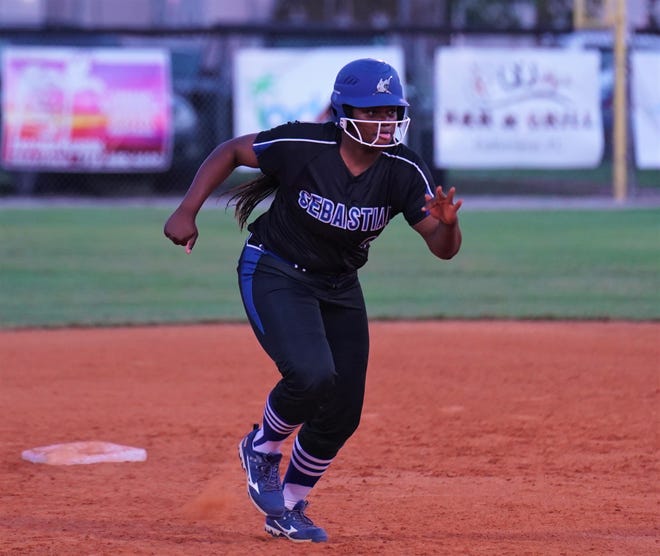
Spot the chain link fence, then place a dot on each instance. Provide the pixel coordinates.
(202, 78)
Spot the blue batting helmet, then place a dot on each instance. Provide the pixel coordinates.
(365, 83)
(368, 83)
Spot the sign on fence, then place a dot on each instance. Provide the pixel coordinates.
(83, 110)
(646, 107)
(522, 108)
(273, 86)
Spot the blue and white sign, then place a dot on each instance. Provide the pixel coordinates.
(273, 86)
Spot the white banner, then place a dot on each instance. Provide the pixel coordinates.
(273, 86)
(645, 93)
(522, 108)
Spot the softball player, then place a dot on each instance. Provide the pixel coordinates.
(336, 186)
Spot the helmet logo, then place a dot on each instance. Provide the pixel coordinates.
(384, 85)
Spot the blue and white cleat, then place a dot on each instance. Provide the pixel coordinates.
(263, 477)
(295, 525)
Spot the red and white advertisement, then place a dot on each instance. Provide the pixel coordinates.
(86, 110)
(517, 108)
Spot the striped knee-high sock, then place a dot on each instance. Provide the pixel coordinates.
(303, 473)
(273, 432)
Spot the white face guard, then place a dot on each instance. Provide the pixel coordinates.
(351, 129)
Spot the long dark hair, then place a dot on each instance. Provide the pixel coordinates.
(246, 196)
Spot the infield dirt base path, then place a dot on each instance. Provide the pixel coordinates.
(493, 438)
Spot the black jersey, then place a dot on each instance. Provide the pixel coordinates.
(322, 217)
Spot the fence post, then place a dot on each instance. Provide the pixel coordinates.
(620, 177)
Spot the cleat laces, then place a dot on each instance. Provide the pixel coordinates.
(298, 514)
(269, 472)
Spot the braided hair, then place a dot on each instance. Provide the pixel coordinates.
(246, 196)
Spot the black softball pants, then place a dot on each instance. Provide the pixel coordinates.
(314, 327)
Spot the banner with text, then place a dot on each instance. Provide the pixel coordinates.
(517, 108)
(83, 110)
(273, 86)
(645, 94)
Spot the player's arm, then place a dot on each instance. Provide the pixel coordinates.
(217, 167)
(441, 229)
(180, 228)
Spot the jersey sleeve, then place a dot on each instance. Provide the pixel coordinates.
(268, 147)
(285, 144)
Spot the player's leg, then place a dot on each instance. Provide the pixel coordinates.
(286, 319)
(321, 437)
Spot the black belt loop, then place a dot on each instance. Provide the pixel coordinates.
(251, 241)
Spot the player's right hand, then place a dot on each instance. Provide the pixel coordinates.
(181, 229)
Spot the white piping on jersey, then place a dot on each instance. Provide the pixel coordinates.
(294, 141)
(429, 189)
(428, 186)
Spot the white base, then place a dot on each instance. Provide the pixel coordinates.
(77, 453)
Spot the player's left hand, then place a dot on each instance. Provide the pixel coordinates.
(442, 207)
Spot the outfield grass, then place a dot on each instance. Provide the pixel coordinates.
(571, 181)
(112, 265)
(531, 264)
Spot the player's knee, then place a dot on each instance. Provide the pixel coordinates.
(311, 382)
(318, 384)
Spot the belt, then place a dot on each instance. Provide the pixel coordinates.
(253, 242)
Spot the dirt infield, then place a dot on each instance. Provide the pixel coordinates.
(497, 438)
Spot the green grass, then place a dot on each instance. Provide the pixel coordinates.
(112, 265)
(533, 264)
(569, 182)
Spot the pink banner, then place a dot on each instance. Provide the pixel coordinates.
(86, 110)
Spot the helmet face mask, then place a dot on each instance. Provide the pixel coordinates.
(368, 83)
(349, 125)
